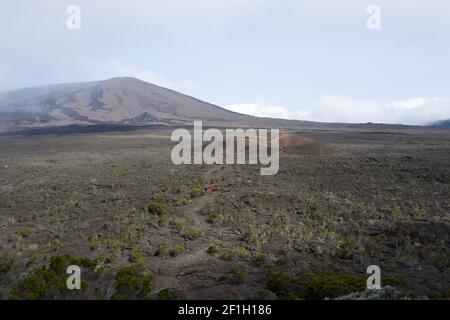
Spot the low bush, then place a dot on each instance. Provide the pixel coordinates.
(137, 256)
(193, 233)
(160, 250)
(312, 286)
(181, 201)
(157, 208)
(197, 191)
(178, 223)
(49, 282)
(439, 295)
(238, 274)
(170, 294)
(6, 264)
(177, 249)
(227, 255)
(385, 293)
(212, 250)
(213, 216)
(265, 294)
(130, 283)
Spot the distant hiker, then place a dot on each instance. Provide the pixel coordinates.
(209, 189)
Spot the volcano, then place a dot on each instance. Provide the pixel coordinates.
(115, 101)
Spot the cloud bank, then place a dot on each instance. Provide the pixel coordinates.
(329, 108)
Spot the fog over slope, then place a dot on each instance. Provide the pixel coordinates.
(118, 100)
(129, 101)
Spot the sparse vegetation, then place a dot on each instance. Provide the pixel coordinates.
(439, 295)
(313, 286)
(48, 281)
(385, 293)
(316, 225)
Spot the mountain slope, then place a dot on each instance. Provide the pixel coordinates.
(117, 100)
(442, 123)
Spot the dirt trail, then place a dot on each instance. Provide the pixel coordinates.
(195, 260)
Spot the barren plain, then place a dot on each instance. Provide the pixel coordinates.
(143, 228)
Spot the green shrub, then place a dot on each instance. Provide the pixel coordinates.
(27, 231)
(238, 274)
(213, 216)
(243, 252)
(259, 259)
(163, 221)
(265, 294)
(49, 281)
(177, 249)
(385, 293)
(193, 233)
(137, 256)
(227, 255)
(197, 191)
(94, 244)
(157, 208)
(170, 294)
(130, 283)
(212, 250)
(313, 286)
(38, 285)
(178, 223)
(397, 282)
(6, 264)
(223, 277)
(439, 295)
(160, 250)
(181, 201)
(59, 264)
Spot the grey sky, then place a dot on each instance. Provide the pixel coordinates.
(312, 60)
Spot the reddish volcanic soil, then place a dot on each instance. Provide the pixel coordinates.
(293, 144)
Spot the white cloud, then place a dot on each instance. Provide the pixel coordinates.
(122, 70)
(418, 110)
(268, 111)
(328, 108)
(411, 103)
(259, 110)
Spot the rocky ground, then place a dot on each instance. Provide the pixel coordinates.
(142, 228)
